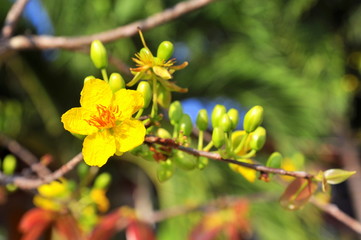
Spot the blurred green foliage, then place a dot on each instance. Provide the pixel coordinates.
(290, 57)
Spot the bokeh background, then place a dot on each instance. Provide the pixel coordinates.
(299, 59)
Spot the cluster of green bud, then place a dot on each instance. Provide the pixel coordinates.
(223, 122)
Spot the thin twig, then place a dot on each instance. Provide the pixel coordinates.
(215, 156)
(50, 42)
(25, 155)
(335, 212)
(12, 17)
(29, 183)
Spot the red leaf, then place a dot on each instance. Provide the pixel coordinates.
(68, 227)
(297, 193)
(35, 222)
(201, 232)
(137, 230)
(112, 223)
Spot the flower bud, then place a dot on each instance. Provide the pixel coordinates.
(163, 133)
(234, 116)
(9, 164)
(103, 180)
(184, 160)
(165, 170)
(217, 114)
(218, 137)
(226, 123)
(185, 124)
(253, 119)
(258, 138)
(144, 88)
(175, 112)
(202, 120)
(275, 160)
(88, 78)
(82, 170)
(163, 96)
(165, 50)
(98, 54)
(116, 82)
(336, 176)
(145, 52)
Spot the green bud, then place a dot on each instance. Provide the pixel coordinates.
(253, 119)
(175, 112)
(336, 176)
(103, 180)
(145, 52)
(185, 125)
(9, 164)
(202, 120)
(218, 137)
(163, 96)
(98, 54)
(163, 133)
(88, 78)
(226, 123)
(165, 50)
(82, 170)
(217, 114)
(145, 89)
(165, 170)
(184, 160)
(116, 82)
(11, 187)
(202, 162)
(234, 116)
(275, 160)
(258, 138)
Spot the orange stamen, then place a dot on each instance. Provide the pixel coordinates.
(105, 118)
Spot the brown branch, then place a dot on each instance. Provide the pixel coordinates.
(29, 183)
(48, 42)
(335, 212)
(215, 156)
(25, 155)
(12, 17)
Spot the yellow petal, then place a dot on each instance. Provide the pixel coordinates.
(97, 148)
(74, 121)
(247, 173)
(95, 92)
(128, 135)
(129, 102)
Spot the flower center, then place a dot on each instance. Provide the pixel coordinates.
(106, 117)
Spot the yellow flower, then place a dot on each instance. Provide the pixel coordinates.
(51, 195)
(249, 174)
(100, 199)
(106, 118)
